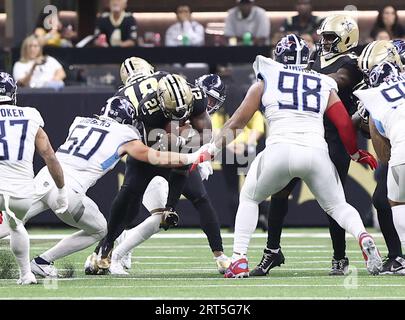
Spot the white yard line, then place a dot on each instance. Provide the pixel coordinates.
(317, 235)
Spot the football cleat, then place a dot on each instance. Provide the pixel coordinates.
(238, 269)
(393, 266)
(104, 261)
(339, 267)
(90, 266)
(117, 268)
(26, 279)
(370, 253)
(126, 261)
(269, 261)
(223, 263)
(43, 269)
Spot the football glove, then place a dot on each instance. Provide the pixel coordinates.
(205, 169)
(364, 157)
(169, 219)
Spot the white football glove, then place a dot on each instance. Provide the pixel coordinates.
(61, 201)
(205, 169)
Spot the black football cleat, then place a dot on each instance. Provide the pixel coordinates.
(339, 267)
(269, 261)
(394, 266)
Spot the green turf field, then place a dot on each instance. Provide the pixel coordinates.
(177, 264)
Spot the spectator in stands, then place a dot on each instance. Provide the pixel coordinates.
(51, 32)
(117, 28)
(387, 19)
(36, 70)
(304, 22)
(382, 35)
(185, 32)
(247, 23)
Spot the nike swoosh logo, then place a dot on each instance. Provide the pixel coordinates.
(268, 268)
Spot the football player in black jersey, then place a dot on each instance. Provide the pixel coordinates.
(158, 98)
(155, 195)
(372, 55)
(339, 34)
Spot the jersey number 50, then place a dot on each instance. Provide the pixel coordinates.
(82, 143)
(302, 82)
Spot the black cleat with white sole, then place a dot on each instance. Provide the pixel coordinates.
(393, 266)
(269, 261)
(339, 267)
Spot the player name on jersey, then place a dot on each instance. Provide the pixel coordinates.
(11, 112)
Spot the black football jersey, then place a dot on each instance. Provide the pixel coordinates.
(349, 62)
(149, 116)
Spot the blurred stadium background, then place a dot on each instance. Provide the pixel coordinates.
(92, 75)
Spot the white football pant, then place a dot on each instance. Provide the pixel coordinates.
(273, 169)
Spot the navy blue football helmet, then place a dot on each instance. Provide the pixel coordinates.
(8, 88)
(400, 46)
(119, 109)
(292, 49)
(383, 72)
(214, 87)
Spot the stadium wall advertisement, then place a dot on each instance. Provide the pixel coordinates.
(59, 109)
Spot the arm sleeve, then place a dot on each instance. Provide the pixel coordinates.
(337, 113)
(229, 30)
(131, 31)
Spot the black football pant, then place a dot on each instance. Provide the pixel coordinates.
(279, 203)
(384, 213)
(126, 204)
(195, 191)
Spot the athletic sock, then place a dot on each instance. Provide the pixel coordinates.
(20, 246)
(245, 225)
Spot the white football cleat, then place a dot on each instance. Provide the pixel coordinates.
(223, 262)
(117, 268)
(44, 270)
(126, 261)
(370, 253)
(27, 279)
(90, 266)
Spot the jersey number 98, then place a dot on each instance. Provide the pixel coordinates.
(292, 84)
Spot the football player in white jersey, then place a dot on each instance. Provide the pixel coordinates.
(294, 102)
(386, 106)
(21, 134)
(93, 147)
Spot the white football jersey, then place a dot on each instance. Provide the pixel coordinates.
(294, 102)
(386, 105)
(18, 129)
(91, 150)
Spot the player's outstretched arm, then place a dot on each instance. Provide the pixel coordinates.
(139, 151)
(382, 145)
(45, 150)
(241, 117)
(339, 116)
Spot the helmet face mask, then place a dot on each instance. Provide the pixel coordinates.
(118, 109)
(215, 90)
(8, 88)
(175, 97)
(134, 68)
(293, 50)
